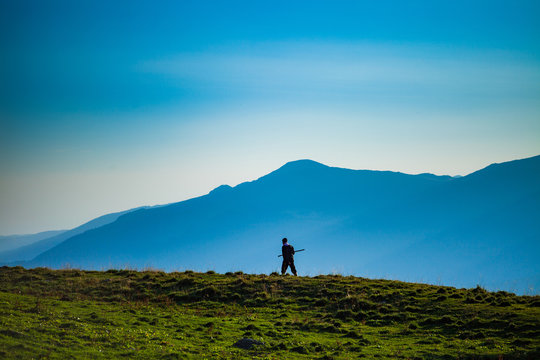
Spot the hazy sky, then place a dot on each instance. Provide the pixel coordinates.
(106, 105)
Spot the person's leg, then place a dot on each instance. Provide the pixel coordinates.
(293, 268)
(283, 267)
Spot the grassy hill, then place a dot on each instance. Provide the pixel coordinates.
(151, 314)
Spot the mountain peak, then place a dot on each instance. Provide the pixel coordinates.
(302, 167)
(221, 189)
(303, 164)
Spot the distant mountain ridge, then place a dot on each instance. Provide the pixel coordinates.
(476, 229)
(28, 252)
(11, 242)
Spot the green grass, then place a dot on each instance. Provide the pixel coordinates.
(128, 314)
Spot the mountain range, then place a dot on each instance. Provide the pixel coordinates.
(47, 240)
(11, 242)
(480, 229)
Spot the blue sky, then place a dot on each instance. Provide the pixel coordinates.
(110, 105)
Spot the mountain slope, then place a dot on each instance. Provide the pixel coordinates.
(478, 228)
(28, 252)
(12, 242)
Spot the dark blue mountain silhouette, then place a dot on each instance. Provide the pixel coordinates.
(12, 242)
(477, 229)
(28, 252)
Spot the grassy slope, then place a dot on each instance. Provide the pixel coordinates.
(72, 313)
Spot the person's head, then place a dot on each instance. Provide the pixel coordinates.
(284, 240)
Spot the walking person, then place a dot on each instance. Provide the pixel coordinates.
(287, 251)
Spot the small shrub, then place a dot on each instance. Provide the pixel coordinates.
(344, 314)
(385, 309)
(470, 335)
(361, 316)
(251, 327)
(353, 335)
(185, 282)
(446, 320)
(300, 350)
(503, 303)
(236, 297)
(479, 290)
(208, 292)
(66, 326)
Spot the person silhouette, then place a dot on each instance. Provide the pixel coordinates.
(287, 251)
